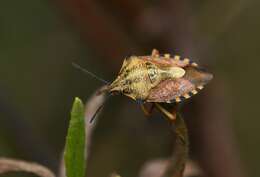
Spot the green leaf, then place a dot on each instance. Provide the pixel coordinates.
(74, 154)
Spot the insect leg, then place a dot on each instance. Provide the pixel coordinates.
(170, 116)
(147, 112)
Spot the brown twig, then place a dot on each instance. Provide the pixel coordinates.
(13, 165)
(179, 157)
(175, 166)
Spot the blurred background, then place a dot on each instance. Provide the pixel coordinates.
(39, 40)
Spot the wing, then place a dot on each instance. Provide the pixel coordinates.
(176, 90)
(170, 91)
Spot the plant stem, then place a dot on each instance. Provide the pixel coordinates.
(181, 149)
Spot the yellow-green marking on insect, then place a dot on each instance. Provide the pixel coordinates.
(176, 57)
(175, 72)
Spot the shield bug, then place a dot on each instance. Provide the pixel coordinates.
(158, 79)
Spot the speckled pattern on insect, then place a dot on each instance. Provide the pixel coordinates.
(159, 78)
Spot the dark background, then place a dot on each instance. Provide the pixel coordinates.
(40, 39)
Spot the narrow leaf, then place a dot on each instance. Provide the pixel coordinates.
(74, 154)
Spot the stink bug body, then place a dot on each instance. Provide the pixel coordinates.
(157, 79)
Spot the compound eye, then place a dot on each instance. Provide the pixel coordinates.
(152, 72)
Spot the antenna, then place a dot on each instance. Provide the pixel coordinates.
(89, 73)
(99, 109)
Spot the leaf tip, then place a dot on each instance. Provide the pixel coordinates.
(77, 104)
(77, 100)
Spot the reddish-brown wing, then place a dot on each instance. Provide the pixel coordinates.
(171, 91)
